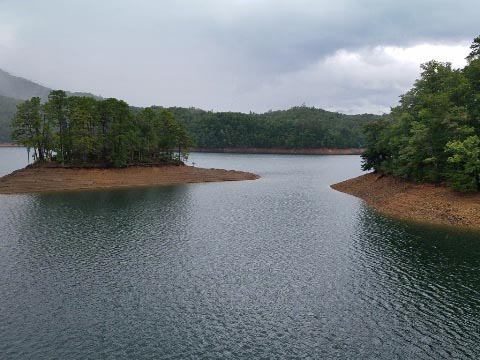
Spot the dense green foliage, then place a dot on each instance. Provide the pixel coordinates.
(84, 130)
(433, 135)
(297, 128)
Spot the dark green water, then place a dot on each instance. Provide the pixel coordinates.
(282, 267)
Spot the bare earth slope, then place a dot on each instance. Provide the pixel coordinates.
(241, 150)
(34, 179)
(419, 202)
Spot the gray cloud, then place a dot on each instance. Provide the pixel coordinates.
(229, 55)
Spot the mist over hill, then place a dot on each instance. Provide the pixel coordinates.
(13, 90)
(22, 89)
(18, 88)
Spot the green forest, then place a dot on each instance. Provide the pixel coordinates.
(297, 128)
(83, 130)
(300, 127)
(433, 135)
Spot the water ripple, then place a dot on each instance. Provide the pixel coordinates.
(282, 267)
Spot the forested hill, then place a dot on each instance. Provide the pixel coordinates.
(297, 128)
(22, 89)
(17, 88)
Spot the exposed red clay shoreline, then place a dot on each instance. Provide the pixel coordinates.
(8, 145)
(426, 203)
(35, 179)
(352, 151)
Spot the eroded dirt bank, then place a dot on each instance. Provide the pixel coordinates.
(35, 179)
(282, 151)
(8, 145)
(419, 202)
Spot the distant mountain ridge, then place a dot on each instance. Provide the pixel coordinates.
(22, 89)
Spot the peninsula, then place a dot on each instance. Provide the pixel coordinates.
(425, 154)
(46, 178)
(407, 200)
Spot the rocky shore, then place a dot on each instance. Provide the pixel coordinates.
(402, 199)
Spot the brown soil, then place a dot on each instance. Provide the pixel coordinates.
(282, 151)
(8, 145)
(429, 203)
(33, 179)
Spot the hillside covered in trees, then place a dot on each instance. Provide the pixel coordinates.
(22, 89)
(83, 130)
(18, 88)
(297, 128)
(434, 134)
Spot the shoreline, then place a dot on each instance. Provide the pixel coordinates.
(7, 144)
(254, 150)
(41, 179)
(351, 151)
(424, 203)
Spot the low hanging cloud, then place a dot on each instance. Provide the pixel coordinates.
(237, 55)
(365, 80)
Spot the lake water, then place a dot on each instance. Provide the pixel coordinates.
(281, 267)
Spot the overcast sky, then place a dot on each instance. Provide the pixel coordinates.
(350, 56)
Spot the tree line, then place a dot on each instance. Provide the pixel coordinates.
(85, 130)
(433, 135)
(300, 127)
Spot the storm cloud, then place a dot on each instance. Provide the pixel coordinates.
(239, 55)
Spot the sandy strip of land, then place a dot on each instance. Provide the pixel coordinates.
(34, 179)
(282, 151)
(419, 202)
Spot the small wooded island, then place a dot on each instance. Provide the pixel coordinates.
(425, 154)
(85, 143)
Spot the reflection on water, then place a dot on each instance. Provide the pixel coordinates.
(281, 267)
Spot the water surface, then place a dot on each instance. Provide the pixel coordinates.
(281, 267)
